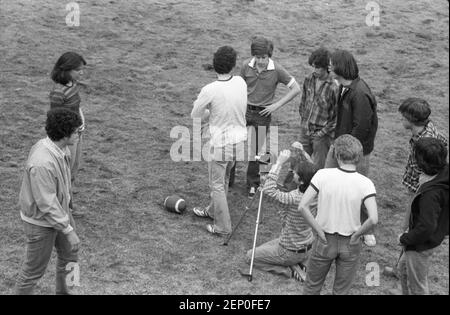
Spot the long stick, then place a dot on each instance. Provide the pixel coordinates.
(399, 257)
(248, 207)
(254, 238)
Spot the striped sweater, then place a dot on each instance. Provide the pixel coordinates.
(66, 96)
(295, 231)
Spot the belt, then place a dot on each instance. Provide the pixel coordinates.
(337, 234)
(255, 108)
(302, 250)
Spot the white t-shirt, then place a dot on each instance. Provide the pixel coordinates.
(227, 104)
(341, 194)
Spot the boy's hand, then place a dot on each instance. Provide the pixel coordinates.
(354, 239)
(269, 109)
(284, 156)
(74, 241)
(322, 236)
(297, 145)
(398, 240)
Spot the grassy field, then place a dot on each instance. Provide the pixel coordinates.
(144, 71)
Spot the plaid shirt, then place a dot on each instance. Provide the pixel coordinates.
(412, 172)
(318, 108)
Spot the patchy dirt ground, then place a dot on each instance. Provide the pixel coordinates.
(145, 69)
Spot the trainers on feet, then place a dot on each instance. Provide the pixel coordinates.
(201, 212)
(370, 240)
(211, 229)
(251, 192)
(298, 272)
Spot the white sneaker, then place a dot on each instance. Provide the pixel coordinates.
(370, 240)
(252, 192)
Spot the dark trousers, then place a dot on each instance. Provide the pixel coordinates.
(257, 138)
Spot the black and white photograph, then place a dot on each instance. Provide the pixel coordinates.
(224, 153)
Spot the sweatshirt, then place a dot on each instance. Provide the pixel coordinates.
(428, 223)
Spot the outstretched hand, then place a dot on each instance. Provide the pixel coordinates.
(284, 156)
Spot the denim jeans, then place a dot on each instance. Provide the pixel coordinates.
(219, 175)
(271, 257)
(317, 148)
(413, 268)
(40, 241)
(75, 156)
(346, 257)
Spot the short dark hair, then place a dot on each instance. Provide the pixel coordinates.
(305, 171)
(415, 110)
(430, 155)
(320, 58)
(61, 123)
(67, 62)
(224, 59)
(344, 64)
(261, 46)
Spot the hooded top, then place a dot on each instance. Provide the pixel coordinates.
(429, 222)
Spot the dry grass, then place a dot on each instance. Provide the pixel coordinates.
(145, 69)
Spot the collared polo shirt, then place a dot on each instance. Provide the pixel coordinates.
(261, 87)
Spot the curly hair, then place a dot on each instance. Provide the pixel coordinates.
(348, 149)
(61, 123)
(344, 64)
(224, 59)
(320, 58)
(415, 110)
(430, 155)
(67, 62)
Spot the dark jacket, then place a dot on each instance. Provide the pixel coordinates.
(357, 114)
(428, 223)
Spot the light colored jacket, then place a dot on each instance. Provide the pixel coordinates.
(45, 193)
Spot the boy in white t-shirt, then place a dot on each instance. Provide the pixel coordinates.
(341, 191)
(223, 104)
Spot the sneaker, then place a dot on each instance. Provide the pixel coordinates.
(201, 212)
(370, 240)
(252, 192)
(210, 228)
(391, 272)
(298, 272)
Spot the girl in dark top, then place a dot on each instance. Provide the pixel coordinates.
(65, 93)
